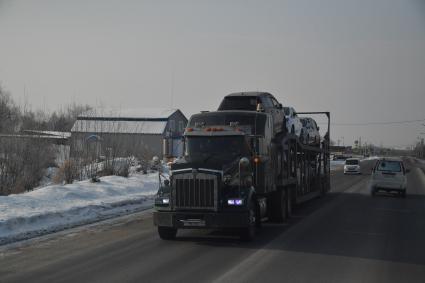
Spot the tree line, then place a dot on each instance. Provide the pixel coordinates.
(23, 160)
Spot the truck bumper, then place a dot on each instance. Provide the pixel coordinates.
(194, 220)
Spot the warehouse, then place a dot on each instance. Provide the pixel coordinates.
(140, 132)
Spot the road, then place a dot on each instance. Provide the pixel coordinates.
(346, 236)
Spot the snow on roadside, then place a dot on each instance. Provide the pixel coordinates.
(370, 158)
(58, 207)
(337, 164)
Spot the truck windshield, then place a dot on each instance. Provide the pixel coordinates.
(223, 148)
(255, 121)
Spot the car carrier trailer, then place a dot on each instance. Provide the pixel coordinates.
(237, 172)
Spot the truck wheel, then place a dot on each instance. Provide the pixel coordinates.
(167, 233)
(248, 233)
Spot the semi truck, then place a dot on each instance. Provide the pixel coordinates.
(237, 172)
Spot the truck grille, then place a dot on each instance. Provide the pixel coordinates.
(195, 191)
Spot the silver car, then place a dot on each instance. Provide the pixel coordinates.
(352, 166)
(389, 175)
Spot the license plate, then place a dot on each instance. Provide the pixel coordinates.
(193, 222)
(389, 176)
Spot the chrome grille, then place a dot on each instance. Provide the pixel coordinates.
(195, 191)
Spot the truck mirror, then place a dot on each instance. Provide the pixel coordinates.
(244, 162)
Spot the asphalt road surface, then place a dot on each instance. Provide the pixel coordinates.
(346, 236)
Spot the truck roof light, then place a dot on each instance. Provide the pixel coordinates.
(257, 160)
(213, 129)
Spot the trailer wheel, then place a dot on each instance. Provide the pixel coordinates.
(167, 233)
(248, 233)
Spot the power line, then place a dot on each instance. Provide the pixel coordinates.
(377, 123)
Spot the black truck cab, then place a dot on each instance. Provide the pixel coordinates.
(212, 186)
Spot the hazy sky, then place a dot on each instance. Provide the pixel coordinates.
(363, 60)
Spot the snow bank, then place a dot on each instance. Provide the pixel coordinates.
(371, 158)
(57, 207)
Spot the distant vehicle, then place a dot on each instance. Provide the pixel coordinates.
(340, 157)
(256, 101)
(389, 175)
(310, 131)
(352, 166)
(293, 122)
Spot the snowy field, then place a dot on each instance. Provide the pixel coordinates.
(57, 207)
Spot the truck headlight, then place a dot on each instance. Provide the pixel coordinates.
(165, 201)
(235, 202)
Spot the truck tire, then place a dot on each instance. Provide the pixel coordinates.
(167, 233)
(279, 206)
(248, 233)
